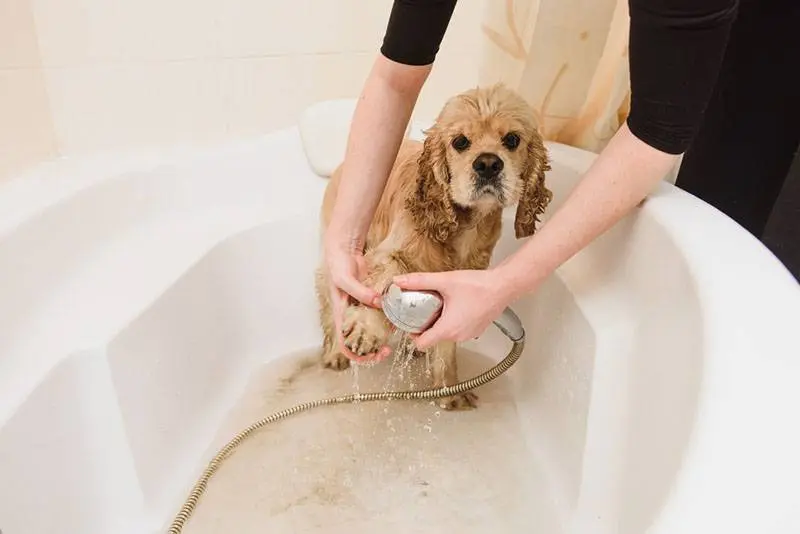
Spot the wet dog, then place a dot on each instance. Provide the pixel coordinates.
(441, 210)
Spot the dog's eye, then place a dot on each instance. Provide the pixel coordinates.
(511, 141)
(460, 143)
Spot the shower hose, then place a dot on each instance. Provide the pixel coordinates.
(508, 323)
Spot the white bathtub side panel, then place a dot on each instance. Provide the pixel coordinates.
(613, 366)
(666, 369)
(644, 374)
(71, 240)
(738, 389)
(267, 275)
(637, 289)
(65, 465)
(552, 381)
(181, 365)
(172, 368)
(743, 454)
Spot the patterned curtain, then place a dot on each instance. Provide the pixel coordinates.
(568, 58)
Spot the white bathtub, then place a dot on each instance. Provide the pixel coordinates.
(140, 293)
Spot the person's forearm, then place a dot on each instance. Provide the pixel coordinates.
(379, 123)
(676, 49)
(620, 178)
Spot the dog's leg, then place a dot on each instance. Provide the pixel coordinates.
(366, 329)
(332, 357)
(445, 373)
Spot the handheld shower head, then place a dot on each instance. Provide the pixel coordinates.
(415, 311)
(411, 311)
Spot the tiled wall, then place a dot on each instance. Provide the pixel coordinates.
(26, 125)
(86, 75)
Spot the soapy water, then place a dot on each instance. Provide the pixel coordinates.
(396, 466)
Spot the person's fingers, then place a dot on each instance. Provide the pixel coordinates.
(417, 281)
(357, 290)
(384, 353)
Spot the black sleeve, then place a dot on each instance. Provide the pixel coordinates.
(676, 49)
(416, 29)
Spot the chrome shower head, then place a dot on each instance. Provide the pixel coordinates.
(415, 311)
(411, 311)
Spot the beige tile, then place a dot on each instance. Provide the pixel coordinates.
(153, 30)
(81, 32)
(87, 31)
(268, 28)
(109, 106)
(347, 25)
(337, 75)
(263, 94)
(143, 72)
(26, 130)
(18, 46)
(464, 32)
(63, 30)
(252, 28)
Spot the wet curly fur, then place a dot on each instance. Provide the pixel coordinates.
(437, 213)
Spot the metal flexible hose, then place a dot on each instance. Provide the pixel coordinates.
(425, 394)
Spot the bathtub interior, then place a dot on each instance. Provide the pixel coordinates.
(144, 319)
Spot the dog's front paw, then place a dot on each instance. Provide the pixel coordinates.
(364, 329)
(462, 401)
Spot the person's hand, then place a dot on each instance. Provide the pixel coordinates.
(472, 301)
(346, 268)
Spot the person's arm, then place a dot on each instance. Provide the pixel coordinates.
(619, 179)
(412, 39)
(621, 176)
(676, 49)
(379, 122)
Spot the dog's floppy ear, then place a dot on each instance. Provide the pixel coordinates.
(535, 195)
(430, 205)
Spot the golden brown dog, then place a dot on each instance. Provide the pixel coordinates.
(441, 211)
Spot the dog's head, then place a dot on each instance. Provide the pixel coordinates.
(483, 153)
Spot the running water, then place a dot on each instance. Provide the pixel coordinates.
(389, 466)
(356, 388)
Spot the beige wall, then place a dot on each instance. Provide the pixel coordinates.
(26, 127)
(85, 75)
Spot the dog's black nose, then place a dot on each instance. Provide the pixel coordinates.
(487, 165)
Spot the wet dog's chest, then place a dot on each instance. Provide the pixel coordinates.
(471, 250)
